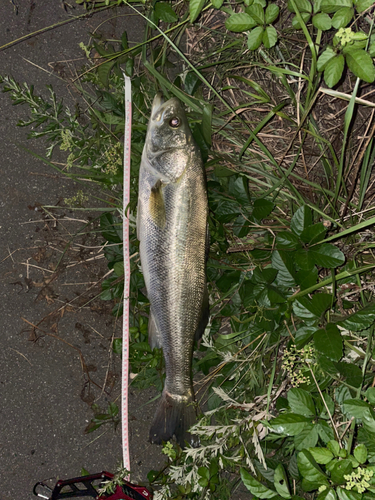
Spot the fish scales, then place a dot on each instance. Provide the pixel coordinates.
(172, 229)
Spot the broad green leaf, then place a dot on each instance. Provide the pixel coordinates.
(325, 431)
(302, 6)
(206, 122)
(368, 421)
(306, 438)
(334, 447)
(301, 220)
(328, 341)
(370, 395)
(352, 373)
(321, 455)
(103, 72)
(331, 6)
(355, 407)
(217, 3)
(289, 424)
(272, 11)
(283, 262)
(360, 453)
(295, 21)
(314, 233)
(362, 5)
(255, 487)
(195, 8)
(345, 494)
(254, 38)
(240, 22)
(327, 255)
(307, 308)
(262, 207)
(333, 70)
(164, 11)
(309, 469)
(322, 21)
(360, 63)
(301, 402)
(269, 37)
(327, 494)
(266, 275)
(238, 188)
(257, 13)
(281, 482)
(324, 57)
(286, 239)
(303, 335)
(307, 278)
(340, 469)
(342, 17)
(359, 320)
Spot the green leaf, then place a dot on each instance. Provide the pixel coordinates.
(352, 373)
(206, 122)
(217, 3)
(329, 342)
(295, 21)
(269, 37)
(103, 72)
(195, 8)
(303, 335)
(117, 346)
(345, 494)
(324, 57)
(289, 424)
(340, 469)
(327, 255)
(331, 6)
(301, 402)
(360, 453)
(262, 207)
(164, 11)
(321, 455)
(272, 11)
(355, 408)
(325, 431)
(310, 470)
(322, 21)
(254, 38)
(301, 220)
(307, 437)
(307, 278)
(333, 70)
(327, 494)
(281, 482)
(360, 63)
(240, 22)
(362, 5)
(307, 308)
(286, 239)
(370, 395)
(302, 6)
(342, 17)
(257, 13)
(238, 187)
(313, 234)
(255, 487)
(359, 320)
(283, 262)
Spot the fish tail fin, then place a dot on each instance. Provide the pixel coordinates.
(174, 416)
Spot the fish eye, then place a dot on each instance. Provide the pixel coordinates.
(174, 122)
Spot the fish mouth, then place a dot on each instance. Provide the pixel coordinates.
(156, 105)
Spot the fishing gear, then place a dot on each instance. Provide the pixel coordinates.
(87, 486)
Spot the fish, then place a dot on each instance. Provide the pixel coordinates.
(173, 239)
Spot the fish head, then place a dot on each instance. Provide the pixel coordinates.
(169, 142)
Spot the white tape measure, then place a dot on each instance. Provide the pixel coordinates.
(125, 323)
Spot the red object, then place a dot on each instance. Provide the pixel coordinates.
(86, 486)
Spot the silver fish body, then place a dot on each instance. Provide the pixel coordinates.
(172, 231)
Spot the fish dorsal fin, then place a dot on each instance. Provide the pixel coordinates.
(156, 204)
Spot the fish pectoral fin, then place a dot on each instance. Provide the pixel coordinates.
(154, 337)
(157, 205)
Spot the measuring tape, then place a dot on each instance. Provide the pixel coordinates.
(125, 225)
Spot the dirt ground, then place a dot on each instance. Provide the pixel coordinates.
(55, 356)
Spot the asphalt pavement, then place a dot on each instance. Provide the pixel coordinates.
(55, 356)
